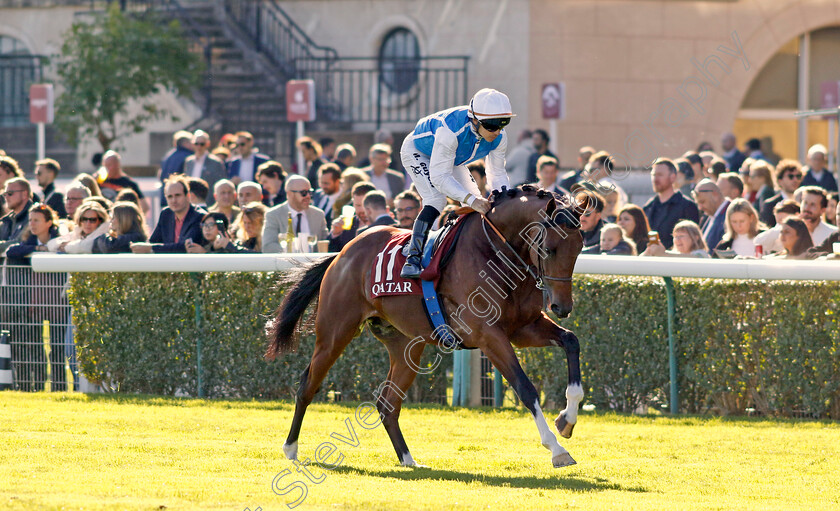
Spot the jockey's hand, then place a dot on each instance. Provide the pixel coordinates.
(480, 205)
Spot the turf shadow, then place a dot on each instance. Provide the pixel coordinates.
(560, 482)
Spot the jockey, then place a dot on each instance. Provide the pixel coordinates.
(436, 155)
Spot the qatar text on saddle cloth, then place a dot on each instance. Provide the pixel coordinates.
(385, 277)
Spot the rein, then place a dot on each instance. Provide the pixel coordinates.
(538, 276)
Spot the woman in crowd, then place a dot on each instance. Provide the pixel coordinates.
(250, 223)
(91, 222)
(90, 183)
(744, 172)
(127, 227)
(761, 180)
(214, 229)
(769, 239)
(43, 223)
(634, 222)
(742, 226)
(688, 242)
(795, 238)
(685, 177)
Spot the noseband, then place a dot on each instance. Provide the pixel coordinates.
(538, 275)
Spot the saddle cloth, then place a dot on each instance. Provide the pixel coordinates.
(385, 277)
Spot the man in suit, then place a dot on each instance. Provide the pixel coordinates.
(306, 219)
(329, 180)
(376, 208)
(178, 224)
(173, 160)
(733, 157)
(204, 165)
(272, 177)
(668, 207)
(389, 181)
(789, 178)
(244, 168)
(710, 200)
(46, 171)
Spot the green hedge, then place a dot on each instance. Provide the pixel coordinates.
(137, 333)
(772, 346)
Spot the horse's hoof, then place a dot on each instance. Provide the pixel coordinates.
(564, 428)
(290, 450)
(563, 460)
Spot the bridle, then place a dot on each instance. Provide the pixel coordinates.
(538, 276)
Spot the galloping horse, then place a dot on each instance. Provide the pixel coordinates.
(533, 226)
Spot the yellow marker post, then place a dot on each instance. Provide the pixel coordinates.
(68, 375)
(46, 336)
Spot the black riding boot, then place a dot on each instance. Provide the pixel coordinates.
(413, 264)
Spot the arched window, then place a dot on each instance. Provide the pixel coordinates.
(399, 60)
(18, 70)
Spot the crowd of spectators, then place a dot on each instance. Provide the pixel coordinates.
(234, 199)
(230, 198)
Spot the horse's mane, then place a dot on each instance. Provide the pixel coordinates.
(561, 202)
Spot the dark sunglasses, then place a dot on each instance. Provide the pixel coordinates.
(200, 144)
(242, 144)
(12, 192)
(90, 220)
(303, 193)
(793, 176)
(494, 124)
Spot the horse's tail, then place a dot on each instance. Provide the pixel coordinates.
(305, 284)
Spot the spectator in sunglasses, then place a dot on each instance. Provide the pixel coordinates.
(13, 226)
(203, 164)
(244, 167)
(789, 178)
(91, 221)
(306, 218)
(436, 153)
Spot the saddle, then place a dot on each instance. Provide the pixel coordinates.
(385, 272)
(386, 280)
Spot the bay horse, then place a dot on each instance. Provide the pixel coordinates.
(537, 226)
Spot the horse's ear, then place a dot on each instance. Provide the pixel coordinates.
(551, 207)
(582, 202)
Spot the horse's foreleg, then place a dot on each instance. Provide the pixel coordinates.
(546, 333)
(501, 354)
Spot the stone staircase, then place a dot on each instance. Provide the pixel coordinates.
(246, 92)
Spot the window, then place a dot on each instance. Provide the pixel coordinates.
(399, 60)
(18, 69)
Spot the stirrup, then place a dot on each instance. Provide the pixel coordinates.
(410, 269)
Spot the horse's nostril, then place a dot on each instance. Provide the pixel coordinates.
(560, 312)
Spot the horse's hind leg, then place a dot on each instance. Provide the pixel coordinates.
(405, 358)
(332, 335)
(501, 355)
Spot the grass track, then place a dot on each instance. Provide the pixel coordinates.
(137, 452)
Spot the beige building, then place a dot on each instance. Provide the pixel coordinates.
(642, 78)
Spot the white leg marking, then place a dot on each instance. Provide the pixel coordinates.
(574, 395)
(408, 461)
(290, 450)
(547, 438)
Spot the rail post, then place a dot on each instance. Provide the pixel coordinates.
(672, 350)
(199, 369)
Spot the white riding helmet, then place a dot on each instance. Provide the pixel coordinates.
(490, 104)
